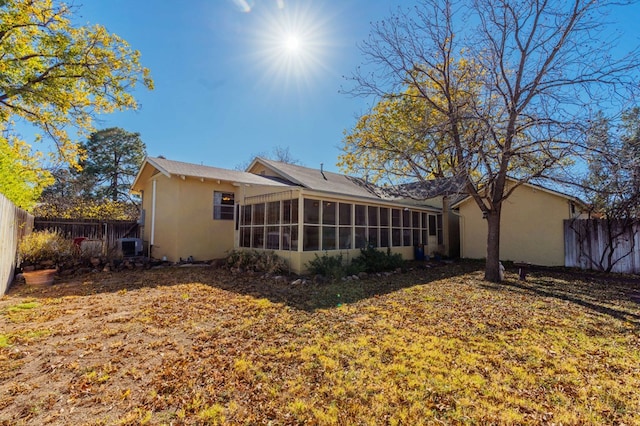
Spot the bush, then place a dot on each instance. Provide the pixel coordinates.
(45, 246)
(372, 260)
(252, 260)
(330, 266)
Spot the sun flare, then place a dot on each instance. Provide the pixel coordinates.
(293, 43)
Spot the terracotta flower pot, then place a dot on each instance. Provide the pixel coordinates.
(41, 278)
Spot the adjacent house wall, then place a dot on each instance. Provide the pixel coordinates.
(531, 228)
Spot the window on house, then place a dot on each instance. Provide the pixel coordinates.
(345, 214)
(223, 205)
(328, 238)
(384, 216)
(258, 214)
(361, 215)
(384, 237)
(328, 213)
(273, 212)
(311, 211)
(345, 237)
(432, 225)
(290, 211)
(311, 237)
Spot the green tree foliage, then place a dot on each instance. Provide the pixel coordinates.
(100, 190)
(113, 158)
(484, 90)
(21, 178)
(58, 77)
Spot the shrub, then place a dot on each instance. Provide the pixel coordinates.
(332, 266)
(252, 260)
(43, 246)
(372, 260)
(327, 266)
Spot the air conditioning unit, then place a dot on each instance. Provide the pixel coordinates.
(130, 247)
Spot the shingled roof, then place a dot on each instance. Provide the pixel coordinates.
(320, 180)
(178, 168)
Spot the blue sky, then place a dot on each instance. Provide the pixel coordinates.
(228, 88)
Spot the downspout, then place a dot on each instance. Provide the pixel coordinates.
(153, 217)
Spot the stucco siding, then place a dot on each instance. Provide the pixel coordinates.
(531, 228)
(199, 234)
(184, 224)
(163, 214)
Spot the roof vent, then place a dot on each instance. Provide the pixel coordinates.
(322, 171)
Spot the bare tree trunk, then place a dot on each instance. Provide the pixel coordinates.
(492, 267)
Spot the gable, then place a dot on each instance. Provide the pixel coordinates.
(170, 168)
(316, 179)
(531, 188)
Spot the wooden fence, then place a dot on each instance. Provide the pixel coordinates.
(602, 245)
(107, 231)
(14, 224)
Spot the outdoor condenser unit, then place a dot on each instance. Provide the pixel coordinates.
(130, 246)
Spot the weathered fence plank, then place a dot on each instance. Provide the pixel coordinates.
(603, 245)
(14, 223)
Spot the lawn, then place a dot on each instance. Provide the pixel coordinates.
(430, 346)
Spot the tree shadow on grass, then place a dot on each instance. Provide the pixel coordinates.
(308, 297)
(609, 294)
(313, 296)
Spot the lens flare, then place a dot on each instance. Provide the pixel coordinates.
(292, 43)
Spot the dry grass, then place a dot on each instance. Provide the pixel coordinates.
(200, 346)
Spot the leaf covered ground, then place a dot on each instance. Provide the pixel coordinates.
(430, 346)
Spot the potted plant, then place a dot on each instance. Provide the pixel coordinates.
(40, 252)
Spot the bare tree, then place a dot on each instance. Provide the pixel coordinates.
(508, 83)
(278, 153)
(612, 190)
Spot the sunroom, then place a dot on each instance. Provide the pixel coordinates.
(299, 224)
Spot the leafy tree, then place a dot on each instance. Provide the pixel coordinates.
(504, 87)
(21, 179)
(82, 208)
(58, 77)
(101, 189)
(113, 158)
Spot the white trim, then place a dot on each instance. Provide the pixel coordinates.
(153, 213)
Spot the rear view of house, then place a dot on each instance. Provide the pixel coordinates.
(204, 212)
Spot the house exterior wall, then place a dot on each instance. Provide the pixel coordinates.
(184, 224)
(531, 228)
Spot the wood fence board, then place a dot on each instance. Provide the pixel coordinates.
(14, 224)
(109, 231)
(599, 244)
